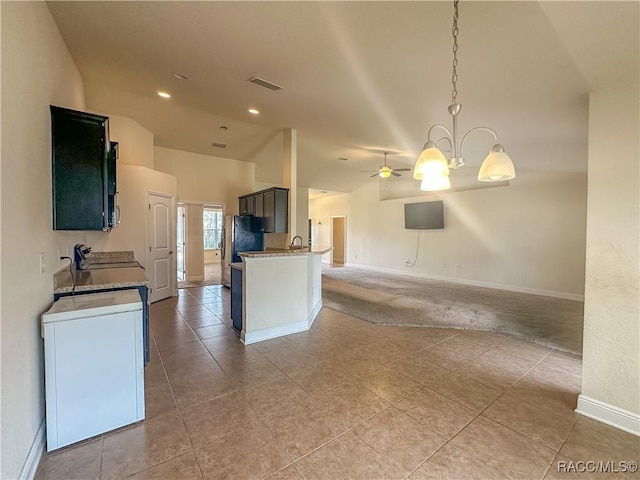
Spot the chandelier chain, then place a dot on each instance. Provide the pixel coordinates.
(454, 64)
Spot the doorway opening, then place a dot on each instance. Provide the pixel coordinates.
(199, 236)
(338, 241)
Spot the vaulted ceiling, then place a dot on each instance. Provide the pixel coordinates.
(358, 78)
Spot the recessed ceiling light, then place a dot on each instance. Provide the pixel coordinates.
(323, 191)
(343, 159)
(223, 128)
(219, 145)
(164, 94)
(253, 111)
(179, 76)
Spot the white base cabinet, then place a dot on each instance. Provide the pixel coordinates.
(94, 364)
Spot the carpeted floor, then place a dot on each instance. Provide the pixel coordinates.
(390, 299)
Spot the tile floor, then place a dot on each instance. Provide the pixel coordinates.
(347, 400)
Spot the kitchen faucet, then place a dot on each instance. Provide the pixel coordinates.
(294, 241)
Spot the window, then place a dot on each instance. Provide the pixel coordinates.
(212, 224)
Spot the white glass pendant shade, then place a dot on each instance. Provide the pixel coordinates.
(430, 161)
(434, 183)
(385, 172)
(497, 166)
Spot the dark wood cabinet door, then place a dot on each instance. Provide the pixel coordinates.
(269, 202)
(258, 201)
(79, 163)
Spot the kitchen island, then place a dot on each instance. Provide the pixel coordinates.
(281, 292)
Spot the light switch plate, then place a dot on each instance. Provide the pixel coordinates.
(43, 262)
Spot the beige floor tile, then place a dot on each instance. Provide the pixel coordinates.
(400, 438)
(182, 350)
(292, 358)
(137, 448)
(159, 401)
(469, 393)
(510, 453)
(506, 361)
(524, 350)
(545, 385)
(452, 463)
(154, 375)
(352, 403)
(436, 412)
(218, 417)
(487, 374)
(211, 331)
(444, 357)
(182, 467)
(590, 440)
(348, 457)
(389, 384)
(463, 345)
(273, 397)
(305, 427)
(249, 452)
(192, 390)
(204, 322)
(289, 473)
(419, 368)
(548, 426)
(188, 367)
(174, 341)
(565, 362)
(81, 462)
(383, 352)
(187, 349)
(233, 353)
(317, 379)
(253, 372)
(485, 339)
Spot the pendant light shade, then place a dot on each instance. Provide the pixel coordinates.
(497, 166)
(430, 162)
(434, 183)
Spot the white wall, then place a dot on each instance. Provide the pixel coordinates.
(135, 143)
(611, 352)
(212, 256)
(206, 179)
(529, 236)
(37, 70)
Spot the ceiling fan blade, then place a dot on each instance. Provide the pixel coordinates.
(401, 169)
(368, 171)
(374, 175)
(395, 174)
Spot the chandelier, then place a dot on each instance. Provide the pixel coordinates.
(432, 168)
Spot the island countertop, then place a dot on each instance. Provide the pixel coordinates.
(286, 252)
(107, 278)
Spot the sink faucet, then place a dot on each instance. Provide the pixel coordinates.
(294, 241)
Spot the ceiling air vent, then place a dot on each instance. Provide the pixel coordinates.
(263, 83)
(219, 145)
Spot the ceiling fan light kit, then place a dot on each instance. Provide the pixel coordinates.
(432, 167)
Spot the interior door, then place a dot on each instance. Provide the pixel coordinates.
(161, 260)
(181, 243)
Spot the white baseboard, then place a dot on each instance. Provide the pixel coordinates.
(273, 332)
(475, 283)
(609, 414)
(35, 454)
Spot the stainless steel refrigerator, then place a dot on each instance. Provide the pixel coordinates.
(240, 233)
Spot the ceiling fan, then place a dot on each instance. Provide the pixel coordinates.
(385, 171)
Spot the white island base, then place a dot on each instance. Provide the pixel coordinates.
(281, 294)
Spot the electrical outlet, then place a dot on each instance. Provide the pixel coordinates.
(43, 262)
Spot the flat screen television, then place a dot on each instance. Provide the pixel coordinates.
(424, 215)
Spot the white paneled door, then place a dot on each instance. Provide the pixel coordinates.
(161, 258)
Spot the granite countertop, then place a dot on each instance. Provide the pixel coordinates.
(94, 280)
(103, 259)
(318, 250)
